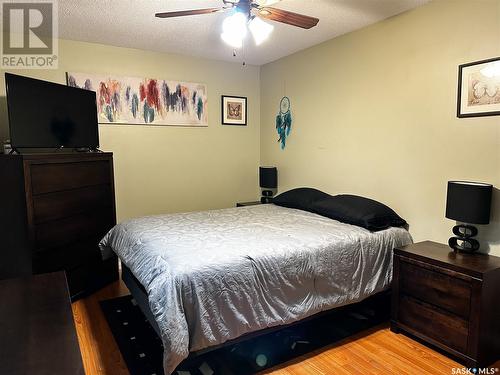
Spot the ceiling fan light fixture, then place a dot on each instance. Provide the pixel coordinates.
(232, 40)
(234, 29)
(260, 30)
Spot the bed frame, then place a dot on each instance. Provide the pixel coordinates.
(379, 302)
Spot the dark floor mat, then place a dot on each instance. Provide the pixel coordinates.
(143, 352)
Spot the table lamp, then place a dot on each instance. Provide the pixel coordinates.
(468, 203)
(268, 181)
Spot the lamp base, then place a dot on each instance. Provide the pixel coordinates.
(267, 193)
(463, 241)
(267, 196)
(266, 199)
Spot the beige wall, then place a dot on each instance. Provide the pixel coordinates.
(374, 114)
(170, 169)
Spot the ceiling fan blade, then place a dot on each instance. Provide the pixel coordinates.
(290, 18)
(193, 12)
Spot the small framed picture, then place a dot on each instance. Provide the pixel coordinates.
(479, 88)
(234, 110)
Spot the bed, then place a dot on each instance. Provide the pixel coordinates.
(214, 276)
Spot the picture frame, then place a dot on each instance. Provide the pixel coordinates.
(233, 110)
(479, 88)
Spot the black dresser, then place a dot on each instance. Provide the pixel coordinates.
(55, 210)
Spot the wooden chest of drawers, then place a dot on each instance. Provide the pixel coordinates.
(56, 208)
(449, 300)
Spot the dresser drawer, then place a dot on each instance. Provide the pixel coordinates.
(73, 229)
(51, 177)
(67, 257)
(434, 323)
(58, 205)
(435, 287)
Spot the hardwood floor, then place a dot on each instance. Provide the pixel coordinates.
(376, 351)
(100, 353)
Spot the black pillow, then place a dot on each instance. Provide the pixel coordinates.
(360, 211)
(301, 198)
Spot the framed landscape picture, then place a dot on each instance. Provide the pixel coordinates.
(234, 110)
(479, 88)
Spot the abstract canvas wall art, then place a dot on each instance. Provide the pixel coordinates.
(479, 88)
(145, 101)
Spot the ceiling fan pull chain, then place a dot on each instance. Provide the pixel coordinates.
(244, 54)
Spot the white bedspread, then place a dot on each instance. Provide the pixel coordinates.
(215, 275)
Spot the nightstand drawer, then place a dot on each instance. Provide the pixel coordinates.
(436, 324)
(435, 287)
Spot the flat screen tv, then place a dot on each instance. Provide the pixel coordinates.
(49, 115)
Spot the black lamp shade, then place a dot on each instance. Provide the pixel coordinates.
(268, 177)
(469, 202)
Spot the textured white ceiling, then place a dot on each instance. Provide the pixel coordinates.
(131, 23)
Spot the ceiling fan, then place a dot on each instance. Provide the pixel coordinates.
(249, 13)
(261, 8)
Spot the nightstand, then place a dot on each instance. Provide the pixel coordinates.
(244, 204)
(449, 300)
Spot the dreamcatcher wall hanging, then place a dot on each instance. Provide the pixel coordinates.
(284, 121)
